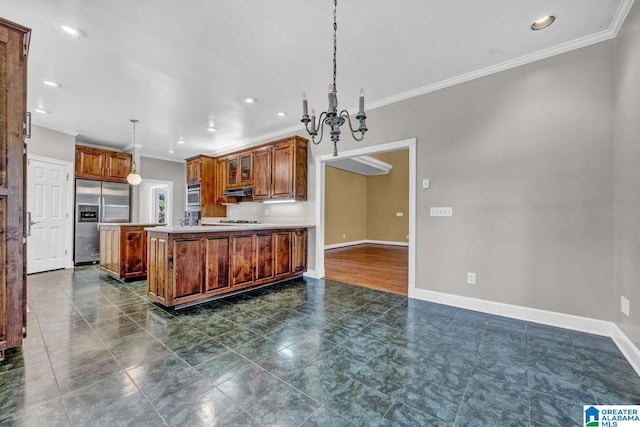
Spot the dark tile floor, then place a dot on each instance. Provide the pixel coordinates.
(307, 352)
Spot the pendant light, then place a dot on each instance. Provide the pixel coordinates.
(134, 177)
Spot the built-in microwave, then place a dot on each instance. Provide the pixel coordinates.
(193, 196)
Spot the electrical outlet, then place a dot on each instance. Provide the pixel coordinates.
(471, 278)
(399, 213)
(344, 236)
(441, 211)
(266, 212)
(624, 306)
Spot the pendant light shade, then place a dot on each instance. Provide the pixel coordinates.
(134, 177)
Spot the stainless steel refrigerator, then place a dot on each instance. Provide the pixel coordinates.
(97, 202)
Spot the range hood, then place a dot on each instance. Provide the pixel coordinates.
(239, 192)
(362, 165)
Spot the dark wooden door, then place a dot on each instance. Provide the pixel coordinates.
(283, 171)
(134, 256)
(283, 253)
(14, 43)
(217, 264)
(264, 256)
(90, 163)
(118, 166)
(187, 268)
(262, 174)
(300, 250)
(193, 171)
(241, 260)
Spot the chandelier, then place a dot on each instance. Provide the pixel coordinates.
(134, 177)
(331, 117)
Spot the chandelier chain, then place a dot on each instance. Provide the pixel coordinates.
(335, 42)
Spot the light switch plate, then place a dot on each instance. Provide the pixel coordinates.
(425, 183)
(624, 306)
(441, 211)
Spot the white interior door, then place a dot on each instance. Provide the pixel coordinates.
(47, 201)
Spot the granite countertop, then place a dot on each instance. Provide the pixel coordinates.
(226, 227)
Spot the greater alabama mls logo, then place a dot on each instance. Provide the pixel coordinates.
(611, 415)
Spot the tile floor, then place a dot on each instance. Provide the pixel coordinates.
(307, 352)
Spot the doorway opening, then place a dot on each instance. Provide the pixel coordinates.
(156, 201)
(368, 254)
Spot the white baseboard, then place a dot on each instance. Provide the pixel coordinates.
(627, 347)
(311, 273)
(362, 242)
(551, 318)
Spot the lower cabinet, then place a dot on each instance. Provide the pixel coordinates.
(123, 250)
(185, 268)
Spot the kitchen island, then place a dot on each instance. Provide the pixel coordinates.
(187, 265)
(123, 250)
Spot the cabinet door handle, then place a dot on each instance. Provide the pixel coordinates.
(28, 126)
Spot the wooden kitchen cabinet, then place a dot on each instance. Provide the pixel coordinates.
(14, 47)
(203, 170)
(280, 170)
(242, 260)
(123, 250)
(262, 182)
(299, 258)
(220, 181)
(102, 165)
(239, 170)
(186, 267)
(194, 166)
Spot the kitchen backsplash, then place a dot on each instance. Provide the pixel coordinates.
(273, 212)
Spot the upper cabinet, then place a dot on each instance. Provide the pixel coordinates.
(194, 166)
(239, 170)
(203, 170)
(103, 165)
(281, 170)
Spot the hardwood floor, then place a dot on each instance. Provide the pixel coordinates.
(380, 267)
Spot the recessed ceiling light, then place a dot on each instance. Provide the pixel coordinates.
(281, 114)
(51, 83)
(70, 30)
(180, 141)
(42, 111)
(249, 99)
(171, 151)
(211, 129)
(543, 23)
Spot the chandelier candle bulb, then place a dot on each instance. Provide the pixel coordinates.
(305, 108)
(313, 119)
(361, 100)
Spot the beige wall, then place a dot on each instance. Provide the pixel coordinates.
(386, 195)
(361, 207)
(345, 206)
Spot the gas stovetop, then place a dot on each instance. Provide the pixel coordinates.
(238, 221)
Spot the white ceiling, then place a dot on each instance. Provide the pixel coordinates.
(177, 65)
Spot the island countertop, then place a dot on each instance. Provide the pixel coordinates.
(224, 227)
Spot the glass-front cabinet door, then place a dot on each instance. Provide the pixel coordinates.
(239, 170)
(246, 177)
(232, 172)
